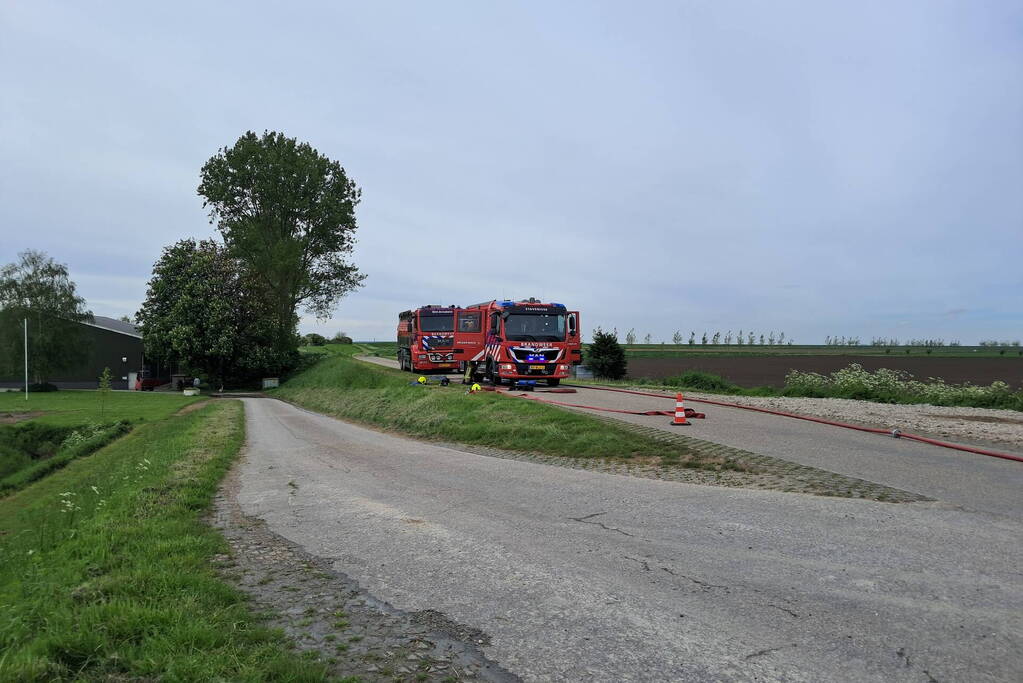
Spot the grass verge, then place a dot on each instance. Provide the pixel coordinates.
(377, 396)
(78, 407)
(105, 566)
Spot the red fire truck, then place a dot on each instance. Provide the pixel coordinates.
(426, 339)
(518, 342)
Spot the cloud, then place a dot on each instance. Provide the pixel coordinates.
(819, 169)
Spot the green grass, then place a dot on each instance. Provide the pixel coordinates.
(79, 407)
(91, 438)
(344, 387)
(115, 582)
(383, 349)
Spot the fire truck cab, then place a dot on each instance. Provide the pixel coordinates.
(426, 337)
(519, 342)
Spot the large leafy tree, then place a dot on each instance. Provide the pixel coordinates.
(287, 213)
(200, 312)
(39, 289)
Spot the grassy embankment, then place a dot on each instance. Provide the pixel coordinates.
(72, 424)
(105, 565)
(344, 387)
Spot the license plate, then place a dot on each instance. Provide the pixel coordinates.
(445, 365)
(536, 367)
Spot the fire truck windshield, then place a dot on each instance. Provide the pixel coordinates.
(535, 327)
(437, 323)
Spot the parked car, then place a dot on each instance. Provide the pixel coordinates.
(150, 383)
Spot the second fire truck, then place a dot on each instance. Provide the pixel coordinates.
(426, 339)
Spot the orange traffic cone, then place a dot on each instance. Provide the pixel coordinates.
(680, 412)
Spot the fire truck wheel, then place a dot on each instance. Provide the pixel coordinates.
(492, 375)
(554, 381)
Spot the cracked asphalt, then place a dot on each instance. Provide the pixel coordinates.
(580, 575)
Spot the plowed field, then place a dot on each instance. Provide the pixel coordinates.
(771, 370)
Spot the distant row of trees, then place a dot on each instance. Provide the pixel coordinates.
(748, 338)
(314, 339)
(927, 343)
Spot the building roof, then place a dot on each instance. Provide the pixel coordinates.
(114, 325)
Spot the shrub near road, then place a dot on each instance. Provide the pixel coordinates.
(105, 566)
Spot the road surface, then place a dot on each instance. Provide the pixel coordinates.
(974, 482)
(578, 575)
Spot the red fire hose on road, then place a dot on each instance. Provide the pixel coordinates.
(689, 411)
(871, 430)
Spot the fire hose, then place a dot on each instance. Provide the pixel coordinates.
(870, 430)
(689, 411)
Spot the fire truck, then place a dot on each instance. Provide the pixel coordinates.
(426, 339)
(518, 342)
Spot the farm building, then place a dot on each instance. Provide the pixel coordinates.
(112, 344)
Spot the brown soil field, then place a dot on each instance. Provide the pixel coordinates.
(770, 371)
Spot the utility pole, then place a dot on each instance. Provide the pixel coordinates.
(26, 359)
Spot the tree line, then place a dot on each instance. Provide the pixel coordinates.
(742, 338)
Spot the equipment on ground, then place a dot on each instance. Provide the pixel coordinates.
(680, 412)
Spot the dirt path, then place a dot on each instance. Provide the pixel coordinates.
(14, 418)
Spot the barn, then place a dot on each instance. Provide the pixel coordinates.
(112, 344)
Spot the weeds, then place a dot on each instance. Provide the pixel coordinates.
(894, 386)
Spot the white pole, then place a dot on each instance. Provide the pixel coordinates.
(26, 359)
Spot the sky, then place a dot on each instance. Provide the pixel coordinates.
(817, 168)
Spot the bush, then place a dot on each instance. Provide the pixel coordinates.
(43, 387)
(705, 381)
(895, 386)
(605, 356)
(313, 339)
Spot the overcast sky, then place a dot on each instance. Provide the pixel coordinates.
(850, 168)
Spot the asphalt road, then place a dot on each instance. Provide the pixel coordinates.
(579, 575)
(974, 482)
